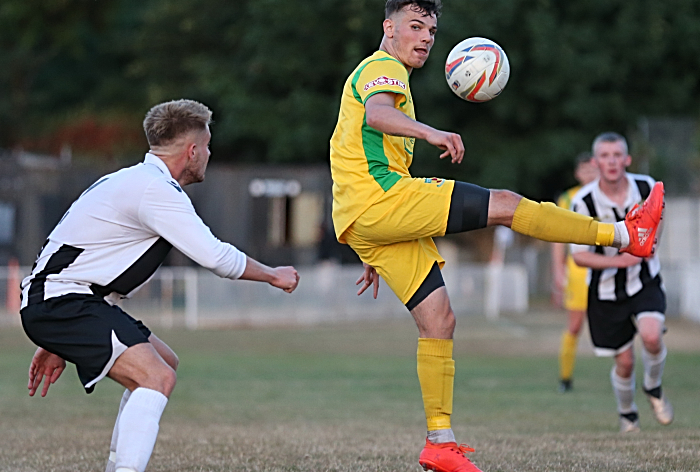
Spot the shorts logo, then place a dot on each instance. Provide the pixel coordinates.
(384, 80)
(435, 180)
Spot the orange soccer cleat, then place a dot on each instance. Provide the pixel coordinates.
(446, 457)
(643, 221)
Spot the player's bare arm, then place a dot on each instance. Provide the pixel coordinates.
(44, 365)
(600, 262)
(382, 115)
(285, 278)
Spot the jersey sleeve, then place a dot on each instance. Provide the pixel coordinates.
(387, 75)
(167, 211)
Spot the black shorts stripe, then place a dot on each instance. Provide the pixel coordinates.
(432, 282)
(58, 261)
(469, 208)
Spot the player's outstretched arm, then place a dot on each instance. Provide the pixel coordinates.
(285, 278)
(383, 116)
(600, 262)
(44, 365)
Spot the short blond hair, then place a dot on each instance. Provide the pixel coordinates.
(167, 121)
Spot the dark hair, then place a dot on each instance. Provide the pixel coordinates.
(427, 7)
(610, 137)
(167, 121)
(583, 157)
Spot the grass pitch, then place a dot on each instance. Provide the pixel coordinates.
(346, 398)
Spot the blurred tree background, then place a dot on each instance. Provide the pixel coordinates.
(83, 73)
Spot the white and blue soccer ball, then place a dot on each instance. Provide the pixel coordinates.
(477, 70)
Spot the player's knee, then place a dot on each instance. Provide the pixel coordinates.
(652, 342)
(624, 366)
(167, 380)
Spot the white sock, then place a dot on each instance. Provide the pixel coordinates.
(621, 239)
(624, 392)
(138, 429)
(653, 368)
(439, 436)
(111, 462)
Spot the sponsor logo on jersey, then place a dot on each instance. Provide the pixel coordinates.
(435, 180)
(176, 186)
(384, 80)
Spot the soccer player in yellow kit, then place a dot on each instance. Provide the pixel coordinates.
(389, 218)
(570, 279)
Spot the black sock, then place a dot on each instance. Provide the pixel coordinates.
(631, 416)
(654, 392)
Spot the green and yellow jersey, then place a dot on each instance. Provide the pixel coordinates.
(365, 163)
(567, 196)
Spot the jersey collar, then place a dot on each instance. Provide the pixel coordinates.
(158, 162)
(633, 195)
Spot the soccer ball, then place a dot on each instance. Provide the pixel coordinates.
(477, 70)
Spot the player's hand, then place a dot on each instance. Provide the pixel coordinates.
(369, 277)
(44, 365)
(626, 260)
(286, 278)
(451, 143)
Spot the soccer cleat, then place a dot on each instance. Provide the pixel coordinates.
(662, 409)
(643, 221)
(565, 385)
(629, 426)
(446, 457)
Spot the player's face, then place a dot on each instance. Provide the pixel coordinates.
(586, 172)
(197, 166)
(612, 160)
(412, 35)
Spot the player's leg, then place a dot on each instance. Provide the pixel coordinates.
(612, 334)
(430, 307)
(567, 349)
(548, 222)
(575, 302)
(142, 370)
(651, 326)
(623, 383)
(412, 270)
(172, 360)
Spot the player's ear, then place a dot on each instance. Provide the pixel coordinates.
(388, 28)
(190, 150)
(628, 160)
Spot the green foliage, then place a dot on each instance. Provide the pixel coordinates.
(272, 70)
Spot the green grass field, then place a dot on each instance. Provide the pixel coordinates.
(346, 398)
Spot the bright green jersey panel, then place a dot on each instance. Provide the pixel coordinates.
(365, 162)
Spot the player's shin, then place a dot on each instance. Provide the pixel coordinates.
(138, 429)
(653, 368)
(548, 222)
(112, 461)
(567, 355)
(436, 371)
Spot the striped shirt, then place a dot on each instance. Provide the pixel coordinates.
(615, 284)
(118, 232)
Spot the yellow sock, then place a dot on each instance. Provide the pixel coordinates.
(567, 355)
(548, 222)
(436, 374)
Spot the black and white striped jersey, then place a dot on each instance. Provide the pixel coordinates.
(615, 284)
(118, 232)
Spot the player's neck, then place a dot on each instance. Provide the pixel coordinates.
(385, 46)
(617, 190)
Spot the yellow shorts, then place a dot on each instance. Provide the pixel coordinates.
(576, 293)
(395, 234)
